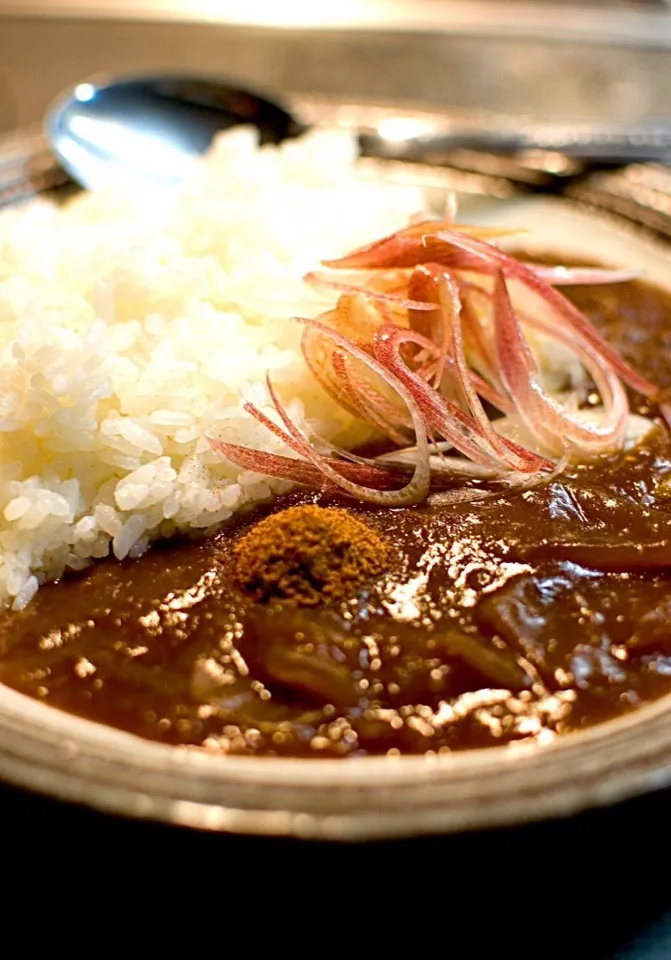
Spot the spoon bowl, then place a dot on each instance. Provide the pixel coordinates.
(152, 129)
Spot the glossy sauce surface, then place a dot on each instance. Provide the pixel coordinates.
(518, 616)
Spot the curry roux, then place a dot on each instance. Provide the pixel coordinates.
(476, 637)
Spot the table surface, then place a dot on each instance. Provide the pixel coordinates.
(595, 16)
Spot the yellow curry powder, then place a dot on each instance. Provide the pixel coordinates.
(309, 555)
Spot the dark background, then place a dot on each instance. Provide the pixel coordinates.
(591, 888)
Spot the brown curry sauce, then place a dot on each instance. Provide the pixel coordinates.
(496, 622)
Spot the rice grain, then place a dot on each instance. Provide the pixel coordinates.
(133, 328)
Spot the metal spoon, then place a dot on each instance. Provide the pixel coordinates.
(152, 128)
(607, 143)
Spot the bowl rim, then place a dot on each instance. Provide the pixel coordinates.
(53, 752)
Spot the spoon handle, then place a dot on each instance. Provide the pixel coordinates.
(616, 144)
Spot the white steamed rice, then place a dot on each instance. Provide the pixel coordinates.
(133, 327)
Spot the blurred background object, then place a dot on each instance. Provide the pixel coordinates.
(359, 63)
(551, 60)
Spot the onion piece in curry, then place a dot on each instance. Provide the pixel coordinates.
(434, 337)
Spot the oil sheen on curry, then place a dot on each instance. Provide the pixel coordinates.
(324, 627)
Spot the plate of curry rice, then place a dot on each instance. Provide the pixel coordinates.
(335, 499)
